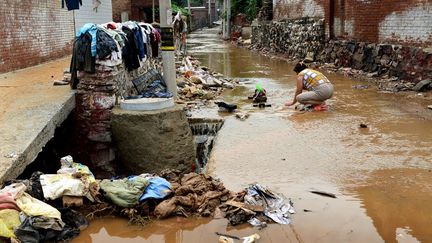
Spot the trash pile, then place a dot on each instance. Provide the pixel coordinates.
(39, 209)
(25, 216)
(198, 82)
(258, 206)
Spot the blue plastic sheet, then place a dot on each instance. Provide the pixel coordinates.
(159, 188)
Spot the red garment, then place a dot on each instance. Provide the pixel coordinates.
(112, 25)
(8, 202)
(157, 35)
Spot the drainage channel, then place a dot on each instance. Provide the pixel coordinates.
(204, 131)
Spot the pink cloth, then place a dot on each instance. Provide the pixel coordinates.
(8, 202)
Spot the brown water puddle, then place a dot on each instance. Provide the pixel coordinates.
(379, 174)
(400, 203)
(392, 205)
(175, 230)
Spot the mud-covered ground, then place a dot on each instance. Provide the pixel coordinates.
(381, 174)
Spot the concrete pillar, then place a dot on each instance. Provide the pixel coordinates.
(229, 18)
(209, 14)
(169, 72)
(150, 141)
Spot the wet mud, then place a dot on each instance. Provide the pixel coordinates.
(380, 174)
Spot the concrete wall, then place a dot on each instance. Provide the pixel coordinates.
(86, 14)
(33, 32)
(291, 9)
(391, 21)
(199, 17)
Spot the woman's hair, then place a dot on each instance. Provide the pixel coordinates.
(300, 66)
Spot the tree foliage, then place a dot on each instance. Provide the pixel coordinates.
(248, 7)
(176, 8)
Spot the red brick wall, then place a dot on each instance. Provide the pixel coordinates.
(33, 32)
(394, 21)
(120, 6)
(391, 21)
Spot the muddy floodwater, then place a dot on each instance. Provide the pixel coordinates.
(381, 175)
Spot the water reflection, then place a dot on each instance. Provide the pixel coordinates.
(176, 230)
(400, 203)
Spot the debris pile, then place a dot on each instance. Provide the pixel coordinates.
(31, 210)
(258, 206)
(198, 82)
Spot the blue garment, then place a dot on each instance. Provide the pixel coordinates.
(139, 40)
(92, 29)
(159, 188)
(71, 4)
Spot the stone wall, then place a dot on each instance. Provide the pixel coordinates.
(294, 38)
(304, 38)
(402, 62)
(33, 32)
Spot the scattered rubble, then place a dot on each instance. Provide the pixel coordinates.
(137, 197)
(199, 82)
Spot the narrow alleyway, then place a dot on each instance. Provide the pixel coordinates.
(381, 175)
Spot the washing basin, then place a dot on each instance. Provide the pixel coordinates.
(146, 104)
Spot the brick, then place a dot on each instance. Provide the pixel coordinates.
(390, 21)
(33, 32)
